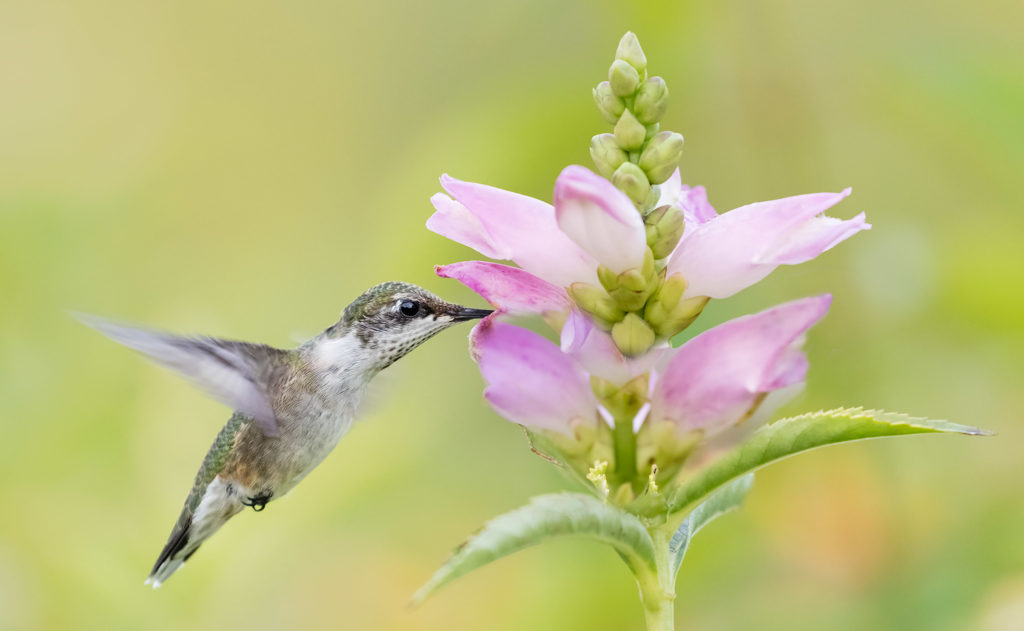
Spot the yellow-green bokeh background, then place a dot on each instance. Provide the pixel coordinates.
(245, 169)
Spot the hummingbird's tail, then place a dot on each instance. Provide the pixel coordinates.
(218, 504)
(173, 556)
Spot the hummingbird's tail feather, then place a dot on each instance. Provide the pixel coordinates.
(219, 503)
(170, 558)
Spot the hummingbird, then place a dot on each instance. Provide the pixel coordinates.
(291, 406)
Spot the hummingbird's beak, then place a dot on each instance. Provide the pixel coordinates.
(463, 314)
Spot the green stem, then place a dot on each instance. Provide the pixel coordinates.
(625, 450)
(658, 591)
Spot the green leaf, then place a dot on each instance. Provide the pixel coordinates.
(720, 502)
(789, 436)
(546, 517)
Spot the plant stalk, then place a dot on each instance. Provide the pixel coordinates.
(658, 591)
(625, 450)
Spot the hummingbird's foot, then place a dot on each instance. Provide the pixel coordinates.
(258, 502)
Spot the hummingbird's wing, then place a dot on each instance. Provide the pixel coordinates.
(238, 374)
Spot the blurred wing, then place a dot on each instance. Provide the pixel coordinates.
(237, 374)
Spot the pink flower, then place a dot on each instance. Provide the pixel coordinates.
(509, 226)
(529, 380)
(712, 382)
(600, 219)
(592, 223)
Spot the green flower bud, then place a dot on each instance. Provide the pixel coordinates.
(596, 302)
(664, 226)
(666, 318)
(623, 77)
(633, 280)
(649, 269)
(692, 307)
(610, 105)
(662, 442)
(631, 289)
(606, 154)
(624, 494)
(661, 156)
(651, 101)
(603, 389)
(652, 198)
(629, 299)
(629, 133)
(660, 309)
(631, 180)
(671, 291)
(657, 278)
(609, 279)
(629, 51)
(621, 401)
(633, 336)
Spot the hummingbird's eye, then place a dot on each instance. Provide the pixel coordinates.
(409, 308)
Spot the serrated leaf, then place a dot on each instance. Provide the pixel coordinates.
(725, 499)
(790, 436)
(547, 517)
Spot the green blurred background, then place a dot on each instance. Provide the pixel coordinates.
(245, 169)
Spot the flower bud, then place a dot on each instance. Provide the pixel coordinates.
(629, 133)
(629, 299)
(623, 77)
(631, 180)
(629, 51)
(602, 388)
(664, 226)
(610, 105)
(662, 442)
(633, 280)
(661, 156)
(622, 401)
(631, 288)
(624, 495)
(633, 336)
(596, 302)
(609, 279)
(606, 154)
(652, 198)
(651, 100)
(671, 291)
(667, 313)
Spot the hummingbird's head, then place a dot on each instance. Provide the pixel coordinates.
(393, 318)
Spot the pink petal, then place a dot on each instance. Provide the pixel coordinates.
(692, 201)
(600, 219)
(736, 249)
(598, 354)
(453, 220)
(530, 381)
(594, 349)
(695, 205)
(524, 230)
(812, 238)
(715, 378)
(510, 289)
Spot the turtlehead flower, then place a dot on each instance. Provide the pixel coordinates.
(719, 255)
(504, 225)
(713, 382)
(618, 265)
(594, 224)
(600, 219)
